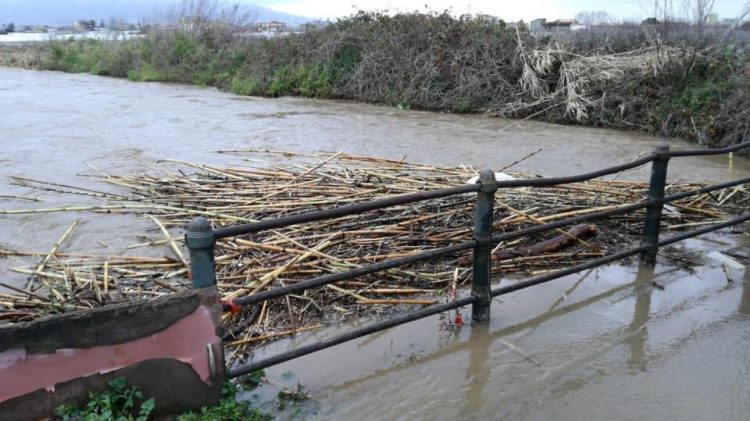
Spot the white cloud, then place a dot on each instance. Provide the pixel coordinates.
(509, 10)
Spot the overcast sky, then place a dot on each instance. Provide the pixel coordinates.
(509, 10)
(60, 12)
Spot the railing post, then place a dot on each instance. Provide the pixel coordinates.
(653, 212)
(200, 241)
(480, 284)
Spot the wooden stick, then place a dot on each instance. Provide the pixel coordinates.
(273, 335)
(106, 277)
(540, 222)
(396, 302)
(172, 244)
(56, 246)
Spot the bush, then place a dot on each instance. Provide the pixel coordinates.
(436, 62)
(123, 403)
(118, 403)
(227, 410)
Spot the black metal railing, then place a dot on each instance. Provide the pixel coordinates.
(200, 240)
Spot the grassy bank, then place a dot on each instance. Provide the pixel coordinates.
(697, 90)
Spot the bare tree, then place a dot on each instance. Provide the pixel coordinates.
(667, 15)
(744, 12)
(200, 14)
(699, 11)
(588, 18)
(660, 14)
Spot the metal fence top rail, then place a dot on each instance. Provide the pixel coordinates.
(713, 151)
(456, 248)
(439, 308)
(661, 153)
(201, 238)
(387, 202)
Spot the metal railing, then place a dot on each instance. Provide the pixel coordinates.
(200, 240)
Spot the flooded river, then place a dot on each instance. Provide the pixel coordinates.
(600, 345)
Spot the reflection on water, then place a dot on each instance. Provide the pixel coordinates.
(605, 344)
(745, 301)
(478, 372)
(637, 341)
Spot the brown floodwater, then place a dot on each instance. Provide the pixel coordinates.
(600, 345)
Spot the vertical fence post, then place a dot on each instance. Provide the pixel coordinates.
(480, 283)
(653, 212)
(200, 241)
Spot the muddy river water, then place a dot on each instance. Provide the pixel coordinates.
(603, 344)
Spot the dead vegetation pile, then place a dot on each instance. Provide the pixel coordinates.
(285, 183)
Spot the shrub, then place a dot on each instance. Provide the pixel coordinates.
(118, 403)
(437, 62)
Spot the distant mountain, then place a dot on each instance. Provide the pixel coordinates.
(65, 12)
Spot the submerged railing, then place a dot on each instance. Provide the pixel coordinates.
(200, 240)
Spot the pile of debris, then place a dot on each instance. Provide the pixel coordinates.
(248, 264)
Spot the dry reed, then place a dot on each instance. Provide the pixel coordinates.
(264, 189)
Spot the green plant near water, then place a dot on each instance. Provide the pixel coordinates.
(123, 403)
(120, 402)
(227, 410)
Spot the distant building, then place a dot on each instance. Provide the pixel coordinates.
(536, 25)
(84, 25)
(542, 27)
(272, 26)
(188, 24)
(488, 19)
(7, 28)
(318, 24)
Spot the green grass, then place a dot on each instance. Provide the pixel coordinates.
(227, 410)
(123, 403)
(120, 402)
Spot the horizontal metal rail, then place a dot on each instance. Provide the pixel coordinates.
(554, 181)
(364, 270)
(354, 334)
(434, 194)
(611, 212)
(449, 250)
(694, 233)
(420, 257)
(707, 189)
(201, 239)
(616, 211)
(436, 309)
(714, 151)
(338, 212)
(613, 257)
(653, 203)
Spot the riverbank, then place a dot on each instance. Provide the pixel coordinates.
(632, 80)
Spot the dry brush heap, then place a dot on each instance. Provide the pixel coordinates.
(62, 282)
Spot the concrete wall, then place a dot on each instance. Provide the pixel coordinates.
(169, 347)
